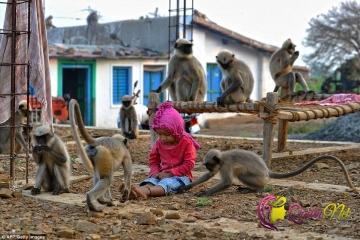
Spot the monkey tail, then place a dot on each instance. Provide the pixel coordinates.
(302, 169)
(74, 106)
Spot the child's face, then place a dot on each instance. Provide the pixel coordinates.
(166, 137)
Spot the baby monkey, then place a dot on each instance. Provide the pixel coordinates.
(250, 169)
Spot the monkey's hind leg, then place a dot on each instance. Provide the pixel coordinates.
(62, 178)
(126, 164)
(253, 183)
(103, 178)
(97, 192)
(183, 89)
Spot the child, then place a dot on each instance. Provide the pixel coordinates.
(171, 159)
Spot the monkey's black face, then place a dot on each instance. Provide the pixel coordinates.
(291, 48)
(126, 103)
(225, 65)
(41, 140)
(210, 166)
(186, 48)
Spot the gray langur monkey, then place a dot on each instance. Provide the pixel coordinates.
(128, 118)
(53, 160)
(281, 63)
(186, 76)
(48, 22)
(102, 156)
(92, 26)
(5, 132)
(250, 169)
(238, 81)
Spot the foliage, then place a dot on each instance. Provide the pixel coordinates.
(268, 188)
(203, 202)
(308, 127)
(334, 36)
(314, 84)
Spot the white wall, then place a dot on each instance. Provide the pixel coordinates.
(106, 112)
(53, 64)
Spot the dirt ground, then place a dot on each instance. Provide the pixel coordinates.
(227, 215)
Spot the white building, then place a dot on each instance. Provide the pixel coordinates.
(97, 72)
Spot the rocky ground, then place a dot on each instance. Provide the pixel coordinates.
(227, 215)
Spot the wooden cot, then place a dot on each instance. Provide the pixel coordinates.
(271, 109)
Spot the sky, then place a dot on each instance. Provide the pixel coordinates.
(267, 21)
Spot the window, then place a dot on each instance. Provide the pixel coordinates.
(214, 77)
(120, 83)
(152, 80)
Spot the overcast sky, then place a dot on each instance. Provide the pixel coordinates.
(267, 21)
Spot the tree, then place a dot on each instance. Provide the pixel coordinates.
(334, 36)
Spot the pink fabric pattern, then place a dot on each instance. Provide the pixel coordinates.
(168, 118)
(179, 159)
(334, 100)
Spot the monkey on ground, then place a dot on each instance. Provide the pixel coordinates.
(53, 160)
(102, 156)
(186, 78)
(281, 63)
(238, 81)
(5, 132)
(128, 118)
(250, 169)
(48, 22)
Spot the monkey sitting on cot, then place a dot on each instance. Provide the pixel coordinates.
(238, 81)
(250, 169)
(128, 118)
(53, 160)
(281, 63)
(186, 78)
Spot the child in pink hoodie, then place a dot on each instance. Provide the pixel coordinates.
(172, 157)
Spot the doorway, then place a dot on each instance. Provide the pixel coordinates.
(77, 81)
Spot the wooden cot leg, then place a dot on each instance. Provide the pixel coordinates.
(282, 134)
(269, 130)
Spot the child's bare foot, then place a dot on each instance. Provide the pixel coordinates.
(132, 195)
(140, 192)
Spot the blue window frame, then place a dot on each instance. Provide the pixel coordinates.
(214, 77)
(152, 80)
(120, 83)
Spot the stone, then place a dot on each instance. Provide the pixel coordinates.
(146, 218)
(168, 227)
(173, 215)
(96, 214)
(95, 236)
(88, 227)
(199, 234)
(156, 229)
(352, 166)
(157, 211)
(66, 233)
(190, 219)
(17, 194)
(322, 165)
(175, 206)
(115, 229)
(5, 193)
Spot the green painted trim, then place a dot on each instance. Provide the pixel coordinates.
(92, 63)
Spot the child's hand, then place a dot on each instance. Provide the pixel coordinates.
(155, 175)
(165, 175)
